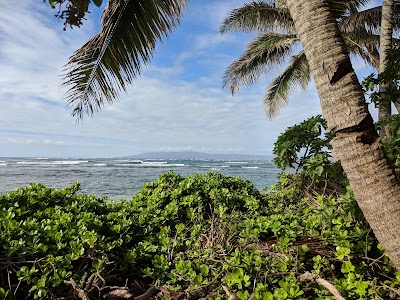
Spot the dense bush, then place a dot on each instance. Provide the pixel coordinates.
(305, 149)
(201, 236)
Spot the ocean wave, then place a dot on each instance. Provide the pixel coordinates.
(1, 164)
(57, 162)
(250, 167)
(130, 160)
(237, 162)
(100, 165)
(150, 165)
(70, 162)
(215, 167)
(219, 168)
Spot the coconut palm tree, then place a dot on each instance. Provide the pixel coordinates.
(385, 107)
(278, 40)
(356, 143)
(100, 70)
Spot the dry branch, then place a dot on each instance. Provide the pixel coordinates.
(308, 276)
(81, 293)
(230, 295)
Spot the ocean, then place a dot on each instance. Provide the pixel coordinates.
(121, 178)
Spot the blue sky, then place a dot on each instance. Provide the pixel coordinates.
(178, 103)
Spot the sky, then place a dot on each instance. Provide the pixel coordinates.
(177, 104)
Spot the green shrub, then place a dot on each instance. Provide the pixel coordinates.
(305, 148)
(191, 237)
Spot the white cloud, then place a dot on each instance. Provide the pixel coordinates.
(176, 104)
(212, 13)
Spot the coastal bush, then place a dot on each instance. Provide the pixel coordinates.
(206, 235)
(305, 148)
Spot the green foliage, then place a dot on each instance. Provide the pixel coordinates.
(390, 77)
(392, 142)
(306, 148)
(301, 142)
(191, 237)
(72, 11)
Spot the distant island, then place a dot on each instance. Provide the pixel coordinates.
(198, 155)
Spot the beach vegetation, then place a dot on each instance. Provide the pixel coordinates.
(304, 151)
(98, 72)
(206, 235)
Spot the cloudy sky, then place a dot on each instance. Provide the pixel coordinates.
(178, 103)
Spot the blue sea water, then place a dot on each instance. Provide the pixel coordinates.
(121, 178)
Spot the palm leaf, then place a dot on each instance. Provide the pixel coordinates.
(296, 75)
(364, 45)
(367, 20)
(100, 70)
(341, 8)
(258, 15)
(266, 51)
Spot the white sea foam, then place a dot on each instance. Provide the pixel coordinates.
(69, 162)
(31, 163)
(1, 164)
(57, 162)
(215, 167)
(100, 165)
(163, 165)
(152, 165)
(250, 167)
(237, 162)
(130, 160)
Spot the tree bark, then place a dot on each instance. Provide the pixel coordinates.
(385, 106)
(356, 143)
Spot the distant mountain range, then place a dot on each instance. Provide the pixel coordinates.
(198, 155)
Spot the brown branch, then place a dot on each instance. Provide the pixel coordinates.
(149, 293)
(81, 293)
(307, 276)
(120, 294)
(230, 295)
(124, 293)
(89, 282)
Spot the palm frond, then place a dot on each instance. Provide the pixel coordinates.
(364, 45)
(266, 51)
(367, 20)
(342, 6)
(258, 15)
(102, 68)
(296, 75)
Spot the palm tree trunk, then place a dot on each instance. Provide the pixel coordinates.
(356, 143)
(385, 106)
